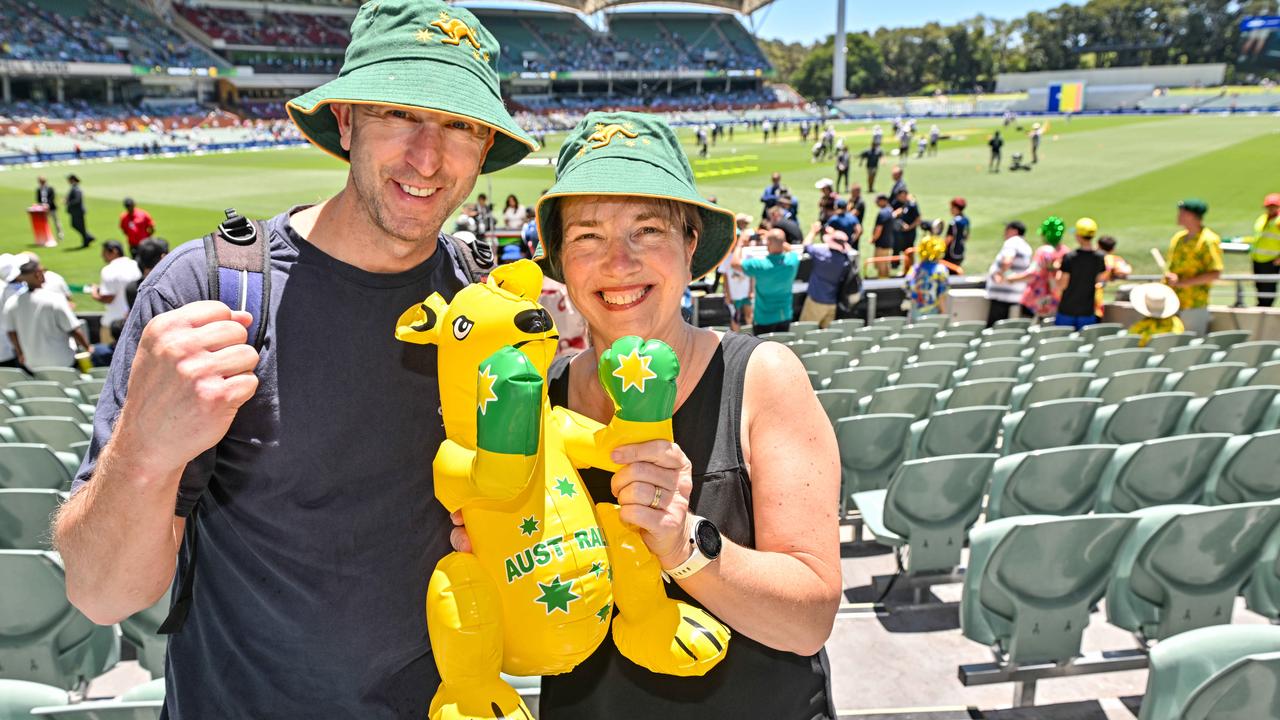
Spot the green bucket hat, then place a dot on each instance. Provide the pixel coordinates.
(1195, 206)
(636, 155)
(421, 54)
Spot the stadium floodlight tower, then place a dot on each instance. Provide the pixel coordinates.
(839, 86)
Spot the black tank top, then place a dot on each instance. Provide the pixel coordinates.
(753, 681)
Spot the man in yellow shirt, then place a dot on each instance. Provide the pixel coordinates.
(1266, 248)
(1194, 264)
(1158, 306)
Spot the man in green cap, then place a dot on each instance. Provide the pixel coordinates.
(1193, 265)
(305, 468)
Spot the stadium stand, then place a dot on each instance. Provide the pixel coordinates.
(83, 31)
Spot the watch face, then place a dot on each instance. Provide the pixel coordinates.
(708, 539)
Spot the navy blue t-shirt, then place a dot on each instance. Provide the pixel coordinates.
(317, 522)
(828, 267)
(846, 223)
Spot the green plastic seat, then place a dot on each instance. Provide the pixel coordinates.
(1054, 423)
(803, 347)
(140, 631)
(58, 433)
(1183, 565)
(1239, 411)
(894, 322)
(996, 349)
(910, 343)
(9, 376)
(1052, 346)
(1045, 332)
(1219, 673)
(1227, 338)
(99, 372)
(800, 327)
(1265, 374)
(963, 431)
(937, 320)
(1004, 335)
(1127, 384)
(66, 377)
(855, 346)
(103, 710)
(942, 352)
(36, 466)
(55, 407)
(1164, 342)
(1022, 324)
(846, 325)
(1056, 364)
(863, 379)
(972, 393)
(154, 690)
(838, 403)
(1051, 387)
(1119, 361)
(19, 697)
(25, 517)
(780, 337)
(1262, 591)
(92, 386)
(1165, 471)
(928, 507)
(824, 363)
(891, 359)
(1032, 580)
(996, 368)
(816, 381)
(1182, 358)
(1100, 347)
(1251, 354)
(1245, 470)
(1057, 481)
(34, 389)
(1097, 331)
(1204, 380)
(952, 336)
(1138, 418)
(871, 448)
(875, 332)
(932, 373)
(43, 638)
(916, 400)
(925, 329)
(8, 411)
(823, 338)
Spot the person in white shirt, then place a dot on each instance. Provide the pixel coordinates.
(52, 280)
(39, 322)
(739, 286)
(9, 286)
(513, 214)
(116, 275)
(1013, 260)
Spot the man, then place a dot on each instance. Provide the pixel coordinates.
(871, 158)
(790, 228)
(485, 222)
(788, 204)
(39, 323)
(46, 196)
(769, 197)
(846, 223)
(1194, 264)
(904, 145)
(877, 137)
(52, 280)
(1078, 277)
(907, 216)
(75, 209)
(10, 285)
(1036, 132)
(774, 274)
(899, 185)
(136, 224)
(1013, 259)
(934, 135)
(883, 235)
(150, 252)
(995, 143)
(830, 259)
(842, 168)
(857, 206)
(308, 466)
(1265, 251)
(826, 199)
(957, 232)
(117, 272)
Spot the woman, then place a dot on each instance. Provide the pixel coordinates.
(1039, 296)
(512, 214)
(626, 231)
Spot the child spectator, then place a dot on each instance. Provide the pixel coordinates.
(927, 284)
(1116, 268)
(1158, 305)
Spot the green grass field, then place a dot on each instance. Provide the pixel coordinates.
(1126, 172)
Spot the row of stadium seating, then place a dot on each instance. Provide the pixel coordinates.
(278, 29)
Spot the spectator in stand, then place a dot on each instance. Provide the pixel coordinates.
(846, 222)
(46, 196)
(826, 199)
(769, 197)
(1265, 252)
(114, 279)
(774, 274)
(9, 267)
(1194, 264)
(778, 219)
(907, 218)
(957, 232)
(1079, 273)
(1014, 259)
(136, 224)
(75, 210)
(150, 252)
(529, 233)
(513, 214)
(1039, 296)
(927, 285)
(830, 255)
(52, 280)
(485, 222)
(882, 236)
(738, 286)
(1117, 268)
(899, 185)
(39, 323)
(857, 206)
(1158, 305)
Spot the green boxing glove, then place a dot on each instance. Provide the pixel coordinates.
(508, 404)
(640, 376)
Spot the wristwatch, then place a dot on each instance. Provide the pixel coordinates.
(705, 544)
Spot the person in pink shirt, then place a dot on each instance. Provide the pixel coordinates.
(136, 224)
(1039, 295)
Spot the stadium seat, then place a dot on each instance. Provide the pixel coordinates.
(1051, 387)
(894, 322)
(956, 432)
(972, 393)
(838, 403)
(825, 363)
(58, 433)
(9, 376)
(25, 517)
(1052, 346)
(801, 327)
(1097, 331)
(871, 448)
(36, 466)
(823, 338)
(1040, 333)
(1238, 411)
(1055, 364)
(891, 359)
(34, 389)
(140, 631)
(1164, 342)
(875, 332)
(910, 343)
(855, 346)
(815, 380)
(937, 320)
(1055, 423)
(8, 411)
(1057, 481)
(1265, 374)
(1182, 566)
(863, 379)
(1182, 358)
(1118, 361)
(997, 349)
(1128, 383)
(803, 347)
(42, 637)
(1251, 354)
(1245, 470)
(103, 710)
(1164, 471)
(1032, 581)
(846, 325)
(928, 507)
(89, 388)
(1262, 591)
(55, 407)
(1219, 673)
(933, 373)
(19, 697)
(924, 330)
(780, 337)
(1138, 418)
(945, 352)
(1204, 380)
(916, 400)
(1110, 343)
(996, 368)
(99, 372)
(954, 337)
(1224, 339)
(1022, 324)
(66, 377)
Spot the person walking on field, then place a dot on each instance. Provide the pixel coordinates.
(75, 210)
(996, 143)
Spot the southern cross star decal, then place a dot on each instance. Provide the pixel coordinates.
(529, 526)
(556, 595)
(633, 370)
(565, 486)
(597, 569)
(486, 393)
(423, 35)
(603, 613)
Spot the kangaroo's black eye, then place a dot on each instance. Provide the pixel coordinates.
(533, 321)
(462, 327)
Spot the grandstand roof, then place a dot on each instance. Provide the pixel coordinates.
(588, 7)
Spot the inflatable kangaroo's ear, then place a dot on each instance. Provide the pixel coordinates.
(522, 277)
(420, 324)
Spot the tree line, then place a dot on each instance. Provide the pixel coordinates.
(966, 56)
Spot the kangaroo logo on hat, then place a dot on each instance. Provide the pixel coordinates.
(455, 31)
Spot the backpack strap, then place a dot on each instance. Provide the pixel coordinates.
(476, 259)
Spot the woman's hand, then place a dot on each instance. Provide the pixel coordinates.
(653, 490)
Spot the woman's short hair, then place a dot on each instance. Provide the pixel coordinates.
(681, 215)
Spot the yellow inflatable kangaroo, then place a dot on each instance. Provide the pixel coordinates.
(538, 594)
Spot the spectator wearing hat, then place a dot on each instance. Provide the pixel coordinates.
(1079, 273)
(957, 232)
(39, 323)
(136, 224)
(11, 285)
(1265, 248)
(1194, 264)
(76, 211)
(46, 196)
(929, 279)
(846, 222)
(113, 280)
(1013, 260)
(1039, 296)
(829, 249)
(1158, 306)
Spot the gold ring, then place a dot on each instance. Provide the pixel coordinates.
(657, 497)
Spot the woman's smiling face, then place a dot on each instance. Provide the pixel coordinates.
(625, 261)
